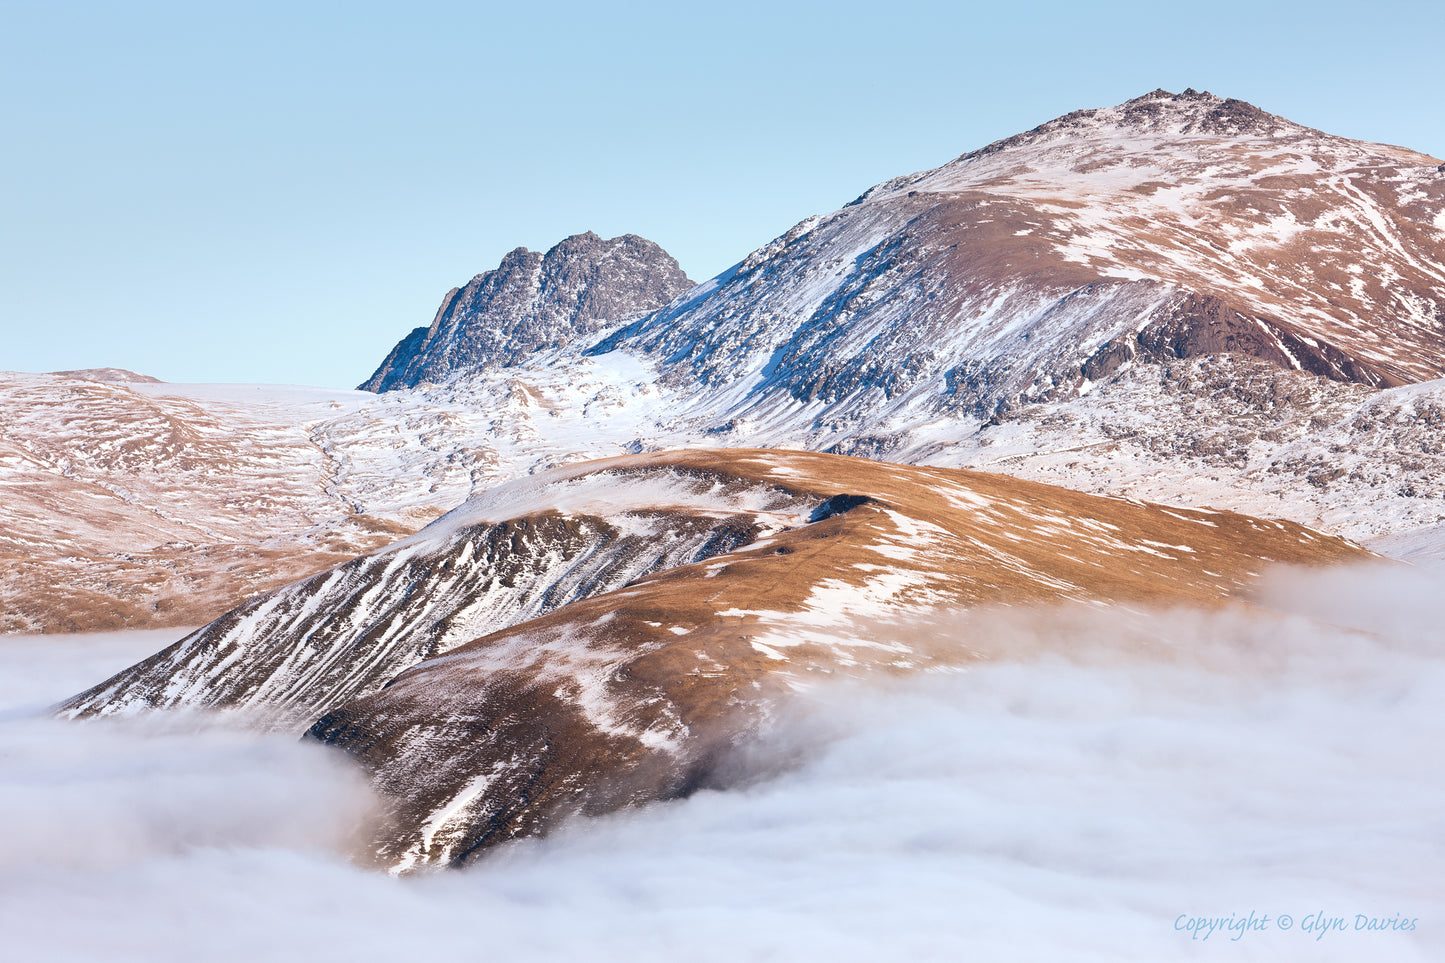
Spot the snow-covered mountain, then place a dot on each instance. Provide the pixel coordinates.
(1241, 278)
(1171, 226)
(534, 301)
(593, 636)
(1218, 296)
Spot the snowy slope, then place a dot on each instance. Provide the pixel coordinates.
(128, 508)
(503, 558)
(87, 547)
(163, 504)
(1223, 431)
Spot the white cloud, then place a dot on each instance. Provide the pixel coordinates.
(1035, 808)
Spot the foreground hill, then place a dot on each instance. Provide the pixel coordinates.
(594, 636)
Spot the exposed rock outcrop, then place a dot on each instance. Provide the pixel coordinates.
(532, 302)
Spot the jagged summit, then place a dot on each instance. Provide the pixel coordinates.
(531, 302)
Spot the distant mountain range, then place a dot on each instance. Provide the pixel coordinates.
(1170, 227)
(118, 375)
(659, 525)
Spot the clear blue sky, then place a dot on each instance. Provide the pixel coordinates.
(277, 192)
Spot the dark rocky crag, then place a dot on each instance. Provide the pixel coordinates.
(532, 302)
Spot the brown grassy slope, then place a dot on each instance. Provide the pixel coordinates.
(626, 697)
(124, 510)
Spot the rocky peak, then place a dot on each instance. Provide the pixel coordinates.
(1150, 126)
(1191, 112)
(532, 302)
(1195, 111)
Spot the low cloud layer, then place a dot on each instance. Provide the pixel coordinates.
(1107, 780)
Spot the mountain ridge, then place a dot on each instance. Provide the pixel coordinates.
(991, 242)
(1169, 227)
(772, 564)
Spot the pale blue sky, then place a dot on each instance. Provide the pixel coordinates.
(277, 192)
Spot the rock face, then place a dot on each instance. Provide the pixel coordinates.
(532, 302)
(592, 637)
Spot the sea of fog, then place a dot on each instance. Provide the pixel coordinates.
(1121, 786)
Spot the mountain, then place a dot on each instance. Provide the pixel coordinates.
(594, 636)
(1171, 226)
(1245, 279)
(531, 302)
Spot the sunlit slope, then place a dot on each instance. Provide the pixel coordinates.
(589, 637)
